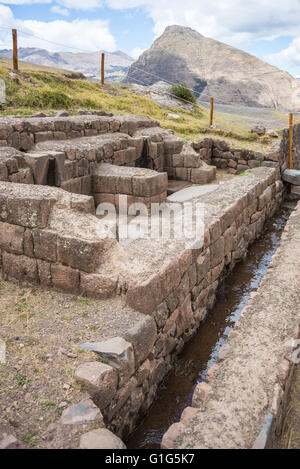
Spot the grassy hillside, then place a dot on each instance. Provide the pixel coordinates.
(37, 88)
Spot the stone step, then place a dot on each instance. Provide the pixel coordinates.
(117, 148)
(140, 184)
(292, 176)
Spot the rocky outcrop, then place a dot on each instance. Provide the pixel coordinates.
(212, 68)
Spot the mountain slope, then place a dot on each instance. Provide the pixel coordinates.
(215, 69)
(116, 63)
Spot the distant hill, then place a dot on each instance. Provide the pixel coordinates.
(116, 63)
(213, 68)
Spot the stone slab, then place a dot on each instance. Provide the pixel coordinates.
(191, 193)
(292, 176)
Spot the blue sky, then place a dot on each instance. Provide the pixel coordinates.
(267, 28)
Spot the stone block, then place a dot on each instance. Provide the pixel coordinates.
(28, 243)
(82, 413)
(101, 439)
(181, 173)
(173, 432)
(29, 212)
(79, 253)
(39, 164)
(3, 172)
(292, 176)
(43, 136)
(191, 160)
(201, 394)
(45, 245)
(146, 296)
(217, 252)
(83, 204)
(295, 193)
(98, 286)
(101, 381)
(203, 265)
(142, 336)
(241, 168)
(203, 175)
(116, 352)
(178, 161)
(44, 273)
(11, 238)
(64, 278)
(23, 176)
(19, 267)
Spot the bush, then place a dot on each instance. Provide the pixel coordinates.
(181, 91)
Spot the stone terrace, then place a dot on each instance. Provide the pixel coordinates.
(50, 236)
(242, 404)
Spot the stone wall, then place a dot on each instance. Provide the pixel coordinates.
(241, 406)
(296, 147)
(23, 134)
(176, 299)
(13, 167)
(141, 185)
(235, 160)
(51, 238)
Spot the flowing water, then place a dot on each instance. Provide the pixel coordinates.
(191, 366)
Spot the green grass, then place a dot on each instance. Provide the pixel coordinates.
(37, 88)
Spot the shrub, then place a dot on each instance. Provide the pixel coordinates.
(181, 91)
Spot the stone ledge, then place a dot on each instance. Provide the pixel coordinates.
(253, 379)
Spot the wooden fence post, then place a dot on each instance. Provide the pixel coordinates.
(291, 142)
(15, 50)
(211, 111)
(102, 68)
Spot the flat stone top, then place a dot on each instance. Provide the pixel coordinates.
(141, 258)
(292, 176)
(106, 169)
(154, 131)
(243, 390)
(191, 193)
(63, 218)
(39, 192)
(139, 121)
(9, 152)
(82, 143)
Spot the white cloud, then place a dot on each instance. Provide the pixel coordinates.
(59, 10)
(80, 4)
(233, 21)
(81, 34)
(136, 52)
(75, 4)
(23, 2)
(288, 58)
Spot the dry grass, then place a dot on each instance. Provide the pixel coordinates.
(42, 88)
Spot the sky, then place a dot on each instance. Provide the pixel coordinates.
(268, 29)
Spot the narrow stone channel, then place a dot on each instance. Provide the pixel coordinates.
(201, 352)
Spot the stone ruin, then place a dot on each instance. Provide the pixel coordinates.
(54, 172)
